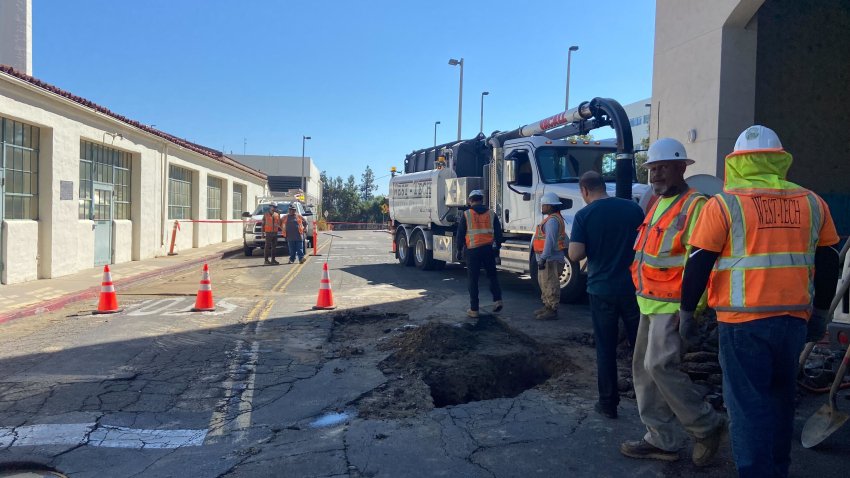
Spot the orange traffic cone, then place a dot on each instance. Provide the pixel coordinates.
(108, 302)
(393, 250)
(204, 301)
(326, 295)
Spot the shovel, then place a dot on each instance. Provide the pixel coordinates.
(828, 418)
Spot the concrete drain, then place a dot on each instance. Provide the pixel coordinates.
(464, 363)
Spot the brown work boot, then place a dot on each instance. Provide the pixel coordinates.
(497, 306)
(540, 310)
(705, 449)
(645, 450)
(547, 314)
(472, 313)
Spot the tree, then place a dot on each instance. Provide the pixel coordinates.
(367, 184)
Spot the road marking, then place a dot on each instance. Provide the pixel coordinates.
(151, 307)
(175, 307)
(233, 411)
(92, 434)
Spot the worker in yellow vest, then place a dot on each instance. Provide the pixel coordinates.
(664, 393)
(271, 224)
(550, 245)
(480, 236)
(761, 241)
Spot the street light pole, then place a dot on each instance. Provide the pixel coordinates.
(481, 127)
(569, 58)
(454, 62)
(303, 179)
(435, 133)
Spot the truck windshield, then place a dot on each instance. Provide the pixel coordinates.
(263, 208)
(567, 164)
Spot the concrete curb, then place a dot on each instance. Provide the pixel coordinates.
(57, 303)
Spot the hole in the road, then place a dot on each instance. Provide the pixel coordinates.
(464, 363)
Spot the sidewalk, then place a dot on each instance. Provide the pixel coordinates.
(44, 295)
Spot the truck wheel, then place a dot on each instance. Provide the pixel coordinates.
(422, 257)
(573, 283)
(249, 251)
(404, 253)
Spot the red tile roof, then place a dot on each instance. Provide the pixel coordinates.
(209, 152)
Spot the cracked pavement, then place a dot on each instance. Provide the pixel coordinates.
(265, 386)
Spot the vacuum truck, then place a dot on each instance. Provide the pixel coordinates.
(513, 169)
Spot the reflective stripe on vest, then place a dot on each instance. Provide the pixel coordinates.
(300, 222)
(739, 262)
(270, 222)
(660, 253)
(479, 228)
(539, 242)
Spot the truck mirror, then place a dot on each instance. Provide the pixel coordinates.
(246, 214)
(510, 171)
(566, 203)
(526, 196)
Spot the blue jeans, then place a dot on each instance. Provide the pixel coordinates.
(606, 311)
(295, 247)
(760, 360)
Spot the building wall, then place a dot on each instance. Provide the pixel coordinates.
(287, 166)
(704, 69)
(63, 243)
(639, 118)
(16, 34)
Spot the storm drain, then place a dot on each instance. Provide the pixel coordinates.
(463, 363)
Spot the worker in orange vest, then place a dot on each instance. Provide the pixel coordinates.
(549, 244)
(481, 236)
(760, 241)
(271, 224)
(664, 393)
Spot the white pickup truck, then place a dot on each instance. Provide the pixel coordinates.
(253, 236)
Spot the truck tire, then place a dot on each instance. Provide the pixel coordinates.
(572, 280)
(573, 283)
(422, 257)
(249, 251)
(403, 250)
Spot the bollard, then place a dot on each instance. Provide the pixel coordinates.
(315, 238)
(173, 238)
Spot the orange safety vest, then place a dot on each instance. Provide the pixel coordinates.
(660, 252)
(300, 223)
(539, 241)
(271, 221)
(767, 264)
(479, 228)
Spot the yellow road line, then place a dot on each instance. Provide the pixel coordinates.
(287, 278)
(246, 405)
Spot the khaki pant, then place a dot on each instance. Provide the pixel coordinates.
(666, 396)
(550, 283)
(271, 245)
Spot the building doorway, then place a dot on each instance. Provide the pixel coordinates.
(102, 216)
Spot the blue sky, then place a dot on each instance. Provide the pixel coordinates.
(365, 79)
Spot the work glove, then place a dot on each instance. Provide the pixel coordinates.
(816, 327)
(541, 265)
(688, 329)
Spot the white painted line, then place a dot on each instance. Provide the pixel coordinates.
(92, 434)
(151, 307)
(121, 437)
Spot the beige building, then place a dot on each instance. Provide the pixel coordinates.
(287, 173)
(723, 65)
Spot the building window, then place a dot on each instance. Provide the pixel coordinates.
(237, 201)
(102, 164)
(19, 153)
(213, 198)
(179, 193)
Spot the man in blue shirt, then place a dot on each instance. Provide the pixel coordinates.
(604, 232)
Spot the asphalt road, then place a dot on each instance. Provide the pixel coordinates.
(266, 386)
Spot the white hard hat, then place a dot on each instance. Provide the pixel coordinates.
(273, 204)
(476, 192)
(667, 149)
(551, 199)
(758, 137)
